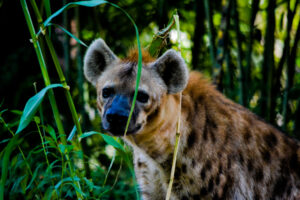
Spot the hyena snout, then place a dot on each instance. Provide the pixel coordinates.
(116, 116)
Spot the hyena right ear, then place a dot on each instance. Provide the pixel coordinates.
(173, 71)
(96, 59)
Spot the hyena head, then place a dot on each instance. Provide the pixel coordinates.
(115, 81)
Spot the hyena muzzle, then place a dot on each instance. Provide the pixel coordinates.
(225, 152)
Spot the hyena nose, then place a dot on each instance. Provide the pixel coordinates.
(117, 119)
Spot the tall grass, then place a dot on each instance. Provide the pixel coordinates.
(59, 175)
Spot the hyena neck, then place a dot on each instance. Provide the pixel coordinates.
(158, 140)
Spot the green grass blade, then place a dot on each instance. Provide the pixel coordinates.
(67, 32)
(32, 105)
(92, 3)
(5, 163)
(108, 139)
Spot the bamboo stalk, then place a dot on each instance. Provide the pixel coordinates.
(268, 64)
(44, 71)
(211, 38)
(239, 52)
(254, 10)
(59, 72)
(178, 133)
(47, 79)
(287, 86)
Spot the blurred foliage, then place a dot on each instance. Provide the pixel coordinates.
(249, 49)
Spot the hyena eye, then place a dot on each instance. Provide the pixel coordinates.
(107, 92)
(142, 97)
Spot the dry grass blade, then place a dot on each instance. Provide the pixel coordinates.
(178, 133)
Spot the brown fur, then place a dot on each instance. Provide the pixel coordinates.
(225, 151)
(133, 54)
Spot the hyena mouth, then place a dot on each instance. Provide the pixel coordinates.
(120, 130)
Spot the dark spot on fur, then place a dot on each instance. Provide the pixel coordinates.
(210, 185)
(271, 140)
(192, 138)
(155, 154)
(153, 115)
(203, 174)
(294, 163)
(247, 136)
(213, 137)
(279, 187)
(177, 173)
(259, 175)
(216, 197)
(177, 186)
(196, 196)
(250, 166)
(229, 163)
(203, 191)
(191, 181)
(256, 196)
(167, 163)
(183, 167)
(217, 180)
(184, 198)
(241, 158)
(227, 187)
(220, 169)
(193, 163)
(266, 156)
(141, 164)
(208, 165)
(205, 133)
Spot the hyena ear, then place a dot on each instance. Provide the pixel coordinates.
(96, 59)
(173, 71)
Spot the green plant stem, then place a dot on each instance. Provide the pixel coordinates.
(44, 149)
(47, 82)
(42, 63)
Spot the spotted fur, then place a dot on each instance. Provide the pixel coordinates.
(225, 152)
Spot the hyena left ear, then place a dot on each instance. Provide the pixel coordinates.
(96, 59)
(173, 71)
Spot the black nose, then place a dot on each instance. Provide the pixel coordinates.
(117, 119)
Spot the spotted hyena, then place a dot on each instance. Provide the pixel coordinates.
(225, 152)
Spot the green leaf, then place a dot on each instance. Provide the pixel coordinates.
(32, 105)
(51, 132)
(108, 139)
(66, 180)
(72, 133)
(35, 173)
(67, 32)
(88, 134)
(112, 141)
(91, 3)
(63, 148)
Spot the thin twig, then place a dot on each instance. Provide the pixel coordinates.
(178, 134)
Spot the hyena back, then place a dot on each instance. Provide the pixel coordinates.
(225, 152)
